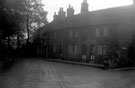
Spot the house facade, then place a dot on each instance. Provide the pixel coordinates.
(89, 36)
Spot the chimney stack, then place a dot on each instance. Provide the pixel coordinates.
(61, 14)
(84, 7)
(70, 11)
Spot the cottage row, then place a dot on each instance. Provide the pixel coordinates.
(89, 36)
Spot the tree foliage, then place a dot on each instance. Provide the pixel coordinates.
(34, 15)
(21, 16)
(9, 19)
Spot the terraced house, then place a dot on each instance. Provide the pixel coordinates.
(90, 36)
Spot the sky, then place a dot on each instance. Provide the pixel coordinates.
(53, 5)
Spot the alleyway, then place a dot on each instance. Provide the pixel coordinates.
(43, 74)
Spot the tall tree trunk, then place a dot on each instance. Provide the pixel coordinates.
(18, 41)
(9, 48)
(28, 31)
(28, 34)
(8, 42)
(27, 26)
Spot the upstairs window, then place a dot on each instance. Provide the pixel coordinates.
(70, 34)
(76, 34)
(92, 49)
(104, 49)
(73, 34)
(105, 31)
(55, 35)
(97, 32)
(99, 49)
(73, 49)
(84, 49)
(54, 47)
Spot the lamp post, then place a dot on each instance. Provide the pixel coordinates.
(133, 32)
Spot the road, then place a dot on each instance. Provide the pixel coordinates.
(44, 74)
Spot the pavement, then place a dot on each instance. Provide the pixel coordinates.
(88, 64)
(77, 63)
(46, 74)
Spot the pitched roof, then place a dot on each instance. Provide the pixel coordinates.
(99, 17)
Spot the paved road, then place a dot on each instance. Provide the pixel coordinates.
(43, 74)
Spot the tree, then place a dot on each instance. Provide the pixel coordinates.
(34, 16)
(10, 20)
(10, 25)
(25, 15)
(18, 17)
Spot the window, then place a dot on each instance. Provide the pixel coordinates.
(73, 34)
(70, 33)
(92, 49)
(97, 32)
(55, 35)
(104, 49)
(45, 37)
(99, 49)
(45, 43)
(84, 49)
(73, 49)
(76, 34)
(54, 47)
(105, 31)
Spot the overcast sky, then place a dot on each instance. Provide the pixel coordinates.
(53, 5)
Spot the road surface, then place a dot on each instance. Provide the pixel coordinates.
(43, 74)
